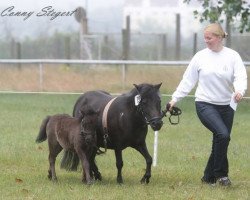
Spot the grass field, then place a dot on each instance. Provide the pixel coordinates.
(182, 154)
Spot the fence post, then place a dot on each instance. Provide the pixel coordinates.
(41, 76)
(178, 37)
(13, 49)
(67, 48)
(162, 47)
(106, 50)
(99, 48)
(126, 48)
(18, 45)
(228, 30)
(123, 76)
(195, 44)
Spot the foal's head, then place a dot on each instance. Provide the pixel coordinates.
(88, 126)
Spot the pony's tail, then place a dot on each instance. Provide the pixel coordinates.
(42, 136)
(70, 161)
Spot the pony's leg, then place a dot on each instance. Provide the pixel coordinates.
(144, 151)
(53, 152)
(119, 165)
(94, 171)
(85, 167)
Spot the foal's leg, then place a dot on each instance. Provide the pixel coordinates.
(85, 166)
(144, 151)
(119, 165)
(54, 150)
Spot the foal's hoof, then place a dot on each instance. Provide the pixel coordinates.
(49, 175)
(54, 179)
(90, 182)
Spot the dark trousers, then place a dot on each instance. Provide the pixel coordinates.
(219, 120)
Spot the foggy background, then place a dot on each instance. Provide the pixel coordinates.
(152, 31)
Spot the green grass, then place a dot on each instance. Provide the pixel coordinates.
(182, 154)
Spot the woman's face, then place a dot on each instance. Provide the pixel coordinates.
(213, 41)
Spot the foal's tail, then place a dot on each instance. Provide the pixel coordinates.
(42, 136)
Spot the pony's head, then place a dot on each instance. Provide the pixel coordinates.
(148, 101)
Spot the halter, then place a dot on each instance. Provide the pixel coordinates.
(148, 121)
(137, 99)
(174, 112)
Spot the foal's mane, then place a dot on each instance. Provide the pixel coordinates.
(88, 117)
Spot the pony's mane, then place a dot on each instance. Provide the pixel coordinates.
(144, 89)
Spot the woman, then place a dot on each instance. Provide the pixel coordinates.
(222, 78)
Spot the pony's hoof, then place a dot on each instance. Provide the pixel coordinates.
(98, 176)
(144, 180)
(119, 181)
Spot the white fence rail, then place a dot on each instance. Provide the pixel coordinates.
(103, 62)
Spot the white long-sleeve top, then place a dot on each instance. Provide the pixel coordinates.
(218, 74)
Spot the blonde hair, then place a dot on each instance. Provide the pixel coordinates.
(216, 29)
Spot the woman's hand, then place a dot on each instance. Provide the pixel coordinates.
(238, 96)
(171, 104)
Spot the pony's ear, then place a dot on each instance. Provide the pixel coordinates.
(158, 86)
(137, 88)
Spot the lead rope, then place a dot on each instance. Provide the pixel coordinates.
(174, 112)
